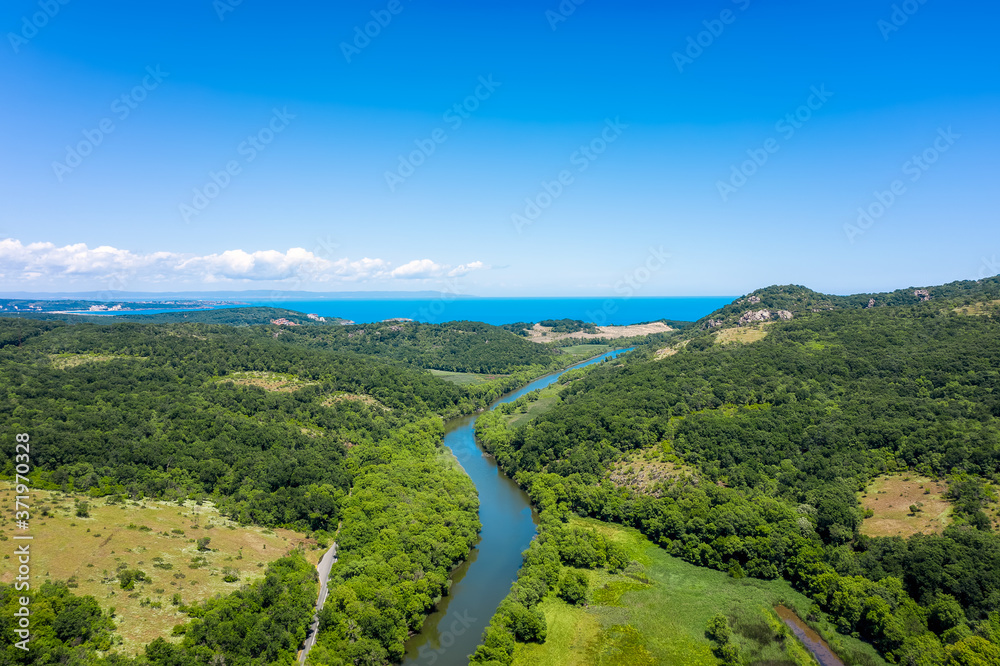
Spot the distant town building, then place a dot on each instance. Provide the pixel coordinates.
(283, 322)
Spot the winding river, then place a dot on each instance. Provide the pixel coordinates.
(452, 632)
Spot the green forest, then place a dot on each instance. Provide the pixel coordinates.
(336, 432)
(783, 433)
(308, 433)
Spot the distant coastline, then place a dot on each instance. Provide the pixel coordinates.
(497, 311)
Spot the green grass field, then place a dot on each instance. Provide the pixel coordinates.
(548, 397)
(463, 378)
(158, 538)
(583, 352)
(663, 622)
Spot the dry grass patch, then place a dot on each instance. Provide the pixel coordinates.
(540, 333)
(355, 397)
(980, 308)
(158, 538)
(642, 471)
(890, 497)
(666, 352)
(269, 381)
(742, 334)
(70, 360)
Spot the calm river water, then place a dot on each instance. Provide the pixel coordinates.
(452, 633)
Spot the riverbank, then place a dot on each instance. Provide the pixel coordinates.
(508, 521)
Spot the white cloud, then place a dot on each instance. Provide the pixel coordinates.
(41, 259)
(419, 269)
(262, 265)
(465, 269)
(359, 270)
(36, 262)
(422, 269)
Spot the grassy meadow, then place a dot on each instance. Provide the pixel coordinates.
(582, 352)
(463, 378)
(158, 538)
(890, 497)
(657, 610)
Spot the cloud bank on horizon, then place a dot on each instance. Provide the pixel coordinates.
(542, 148)
(46, 266)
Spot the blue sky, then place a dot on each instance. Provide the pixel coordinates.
(710, 149)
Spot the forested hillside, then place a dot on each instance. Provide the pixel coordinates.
(459, 346)
(780, 436)
(797, 300)
(172, 413)
(274, 433)
(230, 316)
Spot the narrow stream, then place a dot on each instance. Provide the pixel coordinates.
(813, 642)
(452, 632)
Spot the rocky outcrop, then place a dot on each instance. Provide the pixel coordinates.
(753, 300)
(713, 323)
(754, 316)
(785, 315)
(871, 304)
(922, 294)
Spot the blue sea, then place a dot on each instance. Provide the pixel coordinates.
(496, 311)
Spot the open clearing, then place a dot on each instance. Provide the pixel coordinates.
(642, 470)
(890, 496)
(547, 398)
(269, 381)
(355, 397)
(463, 378)
(584, 352)
(656, 612)
(158, 538)
(540, 333)
(980, 308)
(69, 360)
(741, 334)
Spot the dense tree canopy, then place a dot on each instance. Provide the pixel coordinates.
(782, 434)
